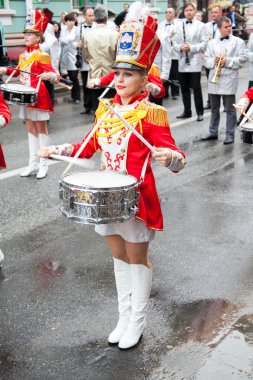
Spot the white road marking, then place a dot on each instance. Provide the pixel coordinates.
(14, 172)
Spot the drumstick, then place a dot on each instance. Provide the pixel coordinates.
(246, 115)
(106, 90)
(129, 126)
(10, 76)
(63, 82)
(85, 142)
(38, 85)
(79, 162)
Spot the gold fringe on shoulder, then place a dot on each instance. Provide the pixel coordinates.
(43, 58)
(156, 115)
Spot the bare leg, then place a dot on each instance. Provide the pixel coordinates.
(118, 249)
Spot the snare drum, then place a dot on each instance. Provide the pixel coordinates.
(247, 133)
(19, 94)
(99, 197)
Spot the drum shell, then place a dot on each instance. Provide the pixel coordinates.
(89, 205)
(247, 135)
(17, 97)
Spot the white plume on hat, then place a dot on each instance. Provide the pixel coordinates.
(137, 11)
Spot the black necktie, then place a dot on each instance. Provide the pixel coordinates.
(188, 22)
(87, 26)
(214, 29)
(167, 24)
(224, 38)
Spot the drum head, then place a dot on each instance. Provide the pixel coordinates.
(101, 179)
(18, 88)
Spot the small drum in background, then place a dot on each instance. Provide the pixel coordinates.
(99, 197)
(19, 94)
(247, 133)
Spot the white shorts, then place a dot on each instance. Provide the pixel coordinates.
(33, 114)
(133, 230)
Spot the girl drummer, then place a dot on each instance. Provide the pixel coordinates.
(36, 117)
(123, 151)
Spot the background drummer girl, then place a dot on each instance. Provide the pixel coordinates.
(122, 151)
(36, 116)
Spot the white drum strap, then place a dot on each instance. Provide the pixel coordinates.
(144, 168)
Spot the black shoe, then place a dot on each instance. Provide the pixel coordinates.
(228, 141)
(209, 138)
(207, 107)
(200, 118)
(86, 111)
(174, 97)
(184, 115)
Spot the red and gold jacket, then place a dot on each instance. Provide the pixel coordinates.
(5, 113)
(152, 123)
(35, 62)
(153, 77)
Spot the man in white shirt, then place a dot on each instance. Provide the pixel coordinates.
(167, 28)
(212, 32)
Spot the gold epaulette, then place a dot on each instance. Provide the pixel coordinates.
(156, 115)
(43, 58)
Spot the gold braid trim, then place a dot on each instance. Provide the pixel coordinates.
(156, 115)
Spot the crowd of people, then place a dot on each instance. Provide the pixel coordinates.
(143, 62)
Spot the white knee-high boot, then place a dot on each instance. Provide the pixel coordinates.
(43, 168)
(1, 258)
(33, 167)
(141, 286)
(123, 284)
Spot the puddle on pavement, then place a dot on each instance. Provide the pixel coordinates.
(232, 358)
(200, 321)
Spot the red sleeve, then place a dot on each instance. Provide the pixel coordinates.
(161, 137)
(4, 110)
(157, 80)
(249, 94)
(47, 68)
(107, 79)
(10, 71)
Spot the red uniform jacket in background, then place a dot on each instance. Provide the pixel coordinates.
(4, 111)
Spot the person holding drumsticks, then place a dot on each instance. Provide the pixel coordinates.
(122, 151)
(36, 116)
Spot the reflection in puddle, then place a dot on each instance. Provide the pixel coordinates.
(200, 321)
(232, 359)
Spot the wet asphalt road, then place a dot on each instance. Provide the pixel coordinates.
(57, 292)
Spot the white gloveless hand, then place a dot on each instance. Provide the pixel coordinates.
(93, 83)
(2, 121)
(153, 88)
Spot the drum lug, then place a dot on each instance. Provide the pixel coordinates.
(134, 209)
(71, 202)
(97, 208)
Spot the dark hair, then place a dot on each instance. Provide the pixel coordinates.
(85, 9)
(57, 34)
(70, 17)
(189, 5)
(221, 20)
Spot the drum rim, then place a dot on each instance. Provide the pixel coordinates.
(92, 188)
(32, 91)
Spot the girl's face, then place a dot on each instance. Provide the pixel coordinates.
(129, 83)
(70, 24)
(56, 28)
(32, 39)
